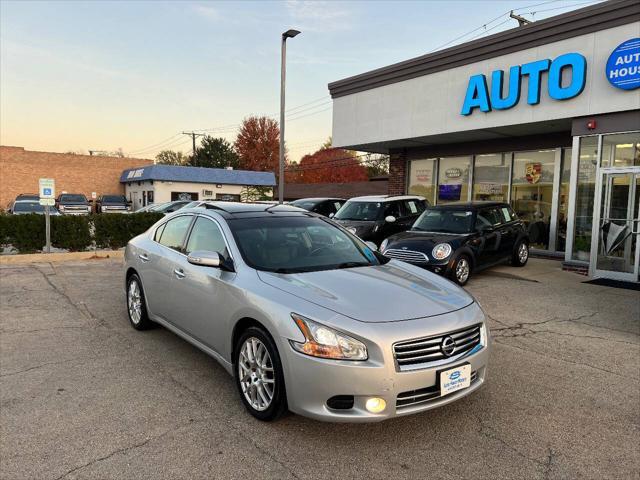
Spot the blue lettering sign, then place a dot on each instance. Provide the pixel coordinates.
(477, 95)
(513, 97)
(578, 65)
(534, 71)
(623, 66)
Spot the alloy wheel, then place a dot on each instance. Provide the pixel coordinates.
(134, 302)
(462, 270)
(523, 253)
(255, 371)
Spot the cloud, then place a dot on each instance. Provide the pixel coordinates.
(207, 12)
(319, 15)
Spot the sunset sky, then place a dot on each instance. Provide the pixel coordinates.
(133, 75)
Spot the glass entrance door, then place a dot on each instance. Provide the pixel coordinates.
(615, 252)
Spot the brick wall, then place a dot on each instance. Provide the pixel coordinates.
(20, 170)
(397, 173)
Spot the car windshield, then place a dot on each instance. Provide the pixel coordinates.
(294, 244)
(359, 211)
(28, 207)
(73, 198)
(114, 199)
(306, 204)
(445, 221)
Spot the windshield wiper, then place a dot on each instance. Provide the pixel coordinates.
(352, 264)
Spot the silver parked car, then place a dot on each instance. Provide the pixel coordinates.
(305, 315)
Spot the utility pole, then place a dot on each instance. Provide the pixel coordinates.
(521, 20)
(193, 136)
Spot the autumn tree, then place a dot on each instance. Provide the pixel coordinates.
(376, 164)
(215, 153)
(169, 157)
(329, 165)
(258, 144)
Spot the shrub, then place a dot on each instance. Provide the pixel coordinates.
(26, 233)
(70, 232)
(115, 230)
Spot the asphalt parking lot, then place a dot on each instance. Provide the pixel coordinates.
(85, 396)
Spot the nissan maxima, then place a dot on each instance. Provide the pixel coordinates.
(305, 315)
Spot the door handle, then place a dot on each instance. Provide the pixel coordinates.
(143, 257)
(179, 273)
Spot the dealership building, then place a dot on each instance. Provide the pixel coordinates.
(545, 116)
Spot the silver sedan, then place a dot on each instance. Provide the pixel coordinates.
(304, 315)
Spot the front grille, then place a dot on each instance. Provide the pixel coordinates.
(429, 349)
(423, 395)
(406, 255)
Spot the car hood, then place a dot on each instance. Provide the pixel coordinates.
(424, 241)
(383, 293)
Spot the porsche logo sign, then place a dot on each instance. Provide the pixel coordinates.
(533, 172)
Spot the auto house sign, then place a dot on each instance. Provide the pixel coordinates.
(453, 173)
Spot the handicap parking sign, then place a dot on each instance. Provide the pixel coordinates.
(47, 188)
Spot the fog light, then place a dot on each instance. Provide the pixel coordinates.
(375, 405)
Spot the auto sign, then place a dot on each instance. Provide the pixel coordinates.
(623, 66)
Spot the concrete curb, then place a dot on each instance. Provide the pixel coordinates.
(59, 257)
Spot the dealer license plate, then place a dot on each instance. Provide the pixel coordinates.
(455, 379)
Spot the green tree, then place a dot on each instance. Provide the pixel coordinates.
(215, 153)
(252, 193)
(169, 157)
(377, 165)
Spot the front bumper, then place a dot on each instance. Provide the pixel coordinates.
(311, 382)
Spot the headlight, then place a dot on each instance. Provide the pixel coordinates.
(325, 342)
(441, 251)
(383, 245)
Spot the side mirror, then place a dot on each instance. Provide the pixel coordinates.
(331, 215)
(390, 219)
(372, 246)
(205, 259)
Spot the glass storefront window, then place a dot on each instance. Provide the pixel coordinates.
(491, 177)
(621, 150)
(563, 200)
(453, 179)
(585, 198)
(422, 179)
(532, 193)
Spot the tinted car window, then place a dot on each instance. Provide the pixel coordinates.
(507, 214)
(206, 235)
(442, 220)
(114, 199)
(174, 232)
(24, 207)
(413, 207)
(489, 217)
(298, 244)
(73, 198)
(359, 211)
(307, 205)
(393, 209)
(336, 206)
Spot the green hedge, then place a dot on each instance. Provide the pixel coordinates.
(115, 230)
(26, 233)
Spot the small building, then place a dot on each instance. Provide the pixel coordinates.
(166, 183)
(545, 116)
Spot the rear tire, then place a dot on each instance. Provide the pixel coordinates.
(136, 304)
(461, 270)
(520, 254)
(259, 376)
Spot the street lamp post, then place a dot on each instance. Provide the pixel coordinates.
(283, 73)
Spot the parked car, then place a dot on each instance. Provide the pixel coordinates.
(25, 207)
(298, 310)
(374, 218)
(324, 206)
(113, 204)
(27, 196)
(170, 207)
(458, 239)
(73, 204)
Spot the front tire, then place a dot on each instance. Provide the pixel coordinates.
(136, 305)
(258, 375)
(461, 270)
(520, 254)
